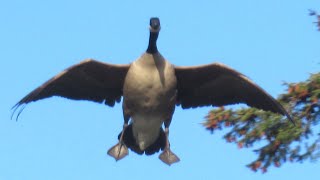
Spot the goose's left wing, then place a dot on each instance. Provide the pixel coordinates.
(217, 85)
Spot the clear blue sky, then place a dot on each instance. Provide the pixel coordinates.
(269, 41)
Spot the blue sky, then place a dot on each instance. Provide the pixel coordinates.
(269, 41)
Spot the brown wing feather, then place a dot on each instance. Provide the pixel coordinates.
(217, 85)
(89, 80)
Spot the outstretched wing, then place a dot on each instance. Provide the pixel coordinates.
(217, 85)
(89, 80)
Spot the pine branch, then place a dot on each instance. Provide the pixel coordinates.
(282, 141)
(314, 13)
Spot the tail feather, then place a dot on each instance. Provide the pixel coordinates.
(130, 142)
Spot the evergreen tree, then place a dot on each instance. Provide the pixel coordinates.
(279, 140)
(314, 13)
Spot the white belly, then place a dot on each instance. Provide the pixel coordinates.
(146, 129)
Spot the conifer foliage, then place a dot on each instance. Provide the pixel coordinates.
(274, 138)
(314, 13)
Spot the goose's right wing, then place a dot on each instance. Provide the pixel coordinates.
(89, 80)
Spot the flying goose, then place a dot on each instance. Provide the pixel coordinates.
(151, 88)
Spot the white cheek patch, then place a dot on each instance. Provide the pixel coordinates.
(154, 30)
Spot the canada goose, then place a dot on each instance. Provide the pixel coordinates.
(151, 88)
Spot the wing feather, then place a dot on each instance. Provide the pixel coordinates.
(89, 80)
(217, 85)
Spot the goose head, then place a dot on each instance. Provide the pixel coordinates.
(155, 25)
(154, 32)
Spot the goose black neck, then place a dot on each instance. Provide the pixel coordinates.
(152, 47)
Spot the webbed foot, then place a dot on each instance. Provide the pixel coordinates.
(168, 157)
(118, 151)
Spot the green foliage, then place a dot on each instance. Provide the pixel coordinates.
(314, 13)
(278, 139)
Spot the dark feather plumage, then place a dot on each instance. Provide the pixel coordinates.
(218, 85)
(89, 80)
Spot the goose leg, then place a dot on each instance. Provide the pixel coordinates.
(167, 156)
(120, 150)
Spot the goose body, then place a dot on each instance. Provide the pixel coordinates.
(151, 87)
(149, 96)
